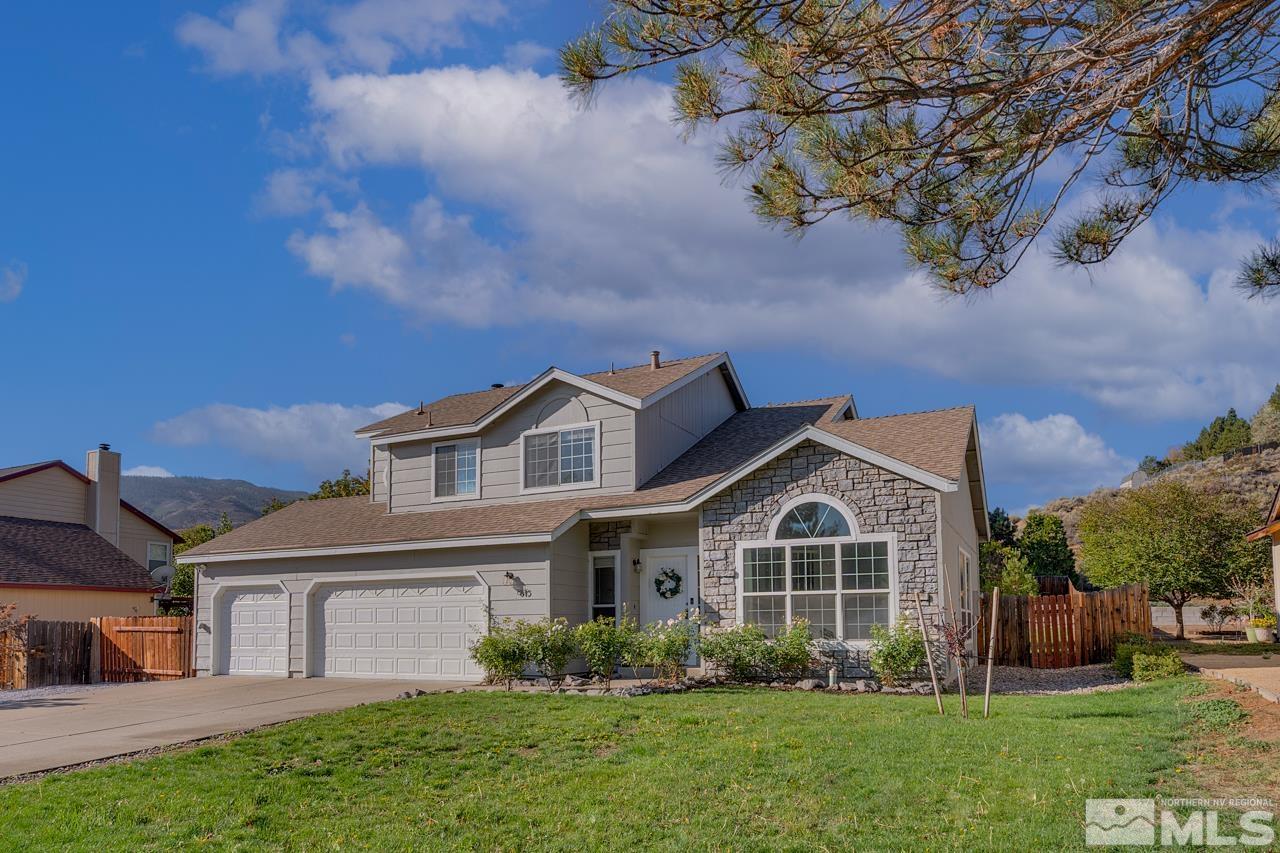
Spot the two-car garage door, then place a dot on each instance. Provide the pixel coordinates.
(420, 630)
(394, 630)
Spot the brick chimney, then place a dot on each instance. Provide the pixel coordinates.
(102, 512)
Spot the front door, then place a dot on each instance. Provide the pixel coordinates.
(670, 585)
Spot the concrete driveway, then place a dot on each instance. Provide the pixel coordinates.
(47, 732)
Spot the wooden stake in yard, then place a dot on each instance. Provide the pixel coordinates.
(928, 655)
(991, 650)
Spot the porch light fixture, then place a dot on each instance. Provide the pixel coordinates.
(636, 566)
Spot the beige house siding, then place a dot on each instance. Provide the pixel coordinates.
(76, 605)
(675, 423)
(569, 575)
(523, 597)
(379, 474)
(558, 404)
(49, 495)
(136, 534)
(959, 534)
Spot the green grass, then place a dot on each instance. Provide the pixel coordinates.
(725, 769)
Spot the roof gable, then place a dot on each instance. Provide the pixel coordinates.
(16, 471)
(635, 387)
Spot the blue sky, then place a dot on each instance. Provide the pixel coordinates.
(233, 232)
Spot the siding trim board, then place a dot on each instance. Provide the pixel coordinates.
(79, 587)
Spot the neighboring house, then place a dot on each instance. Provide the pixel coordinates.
(70, 548)
(1271, 529)
(657, 488)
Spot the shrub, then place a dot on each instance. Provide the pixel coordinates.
(896, 652)
(789, 654)
(662, 647)
(1015, 577)
(1156, 663)
(1126, 648)
(549, 645)
(501, 654)
(1268, 621)
(602, 643)
(740, 652)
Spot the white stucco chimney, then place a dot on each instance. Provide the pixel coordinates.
(102, 512)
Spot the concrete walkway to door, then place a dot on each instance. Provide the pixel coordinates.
(45, 733)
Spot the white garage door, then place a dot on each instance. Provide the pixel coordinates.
(257, 632)
(397, 630)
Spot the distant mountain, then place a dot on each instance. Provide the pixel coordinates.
(181, 502)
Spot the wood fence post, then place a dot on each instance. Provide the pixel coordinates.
(95, 650)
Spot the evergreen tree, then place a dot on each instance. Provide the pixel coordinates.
(1043, 542)
(1265, 426)
(1229, 432)
(1002, 529)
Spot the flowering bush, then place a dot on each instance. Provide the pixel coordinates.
(501, 653)
(896, 652)
(740, 652)
(549, 644)
(602, 643)
(789, 655)
(1268, 621)
(662, 647)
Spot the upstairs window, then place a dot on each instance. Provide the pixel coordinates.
(456, 470)
(157, 555)
(560, 458)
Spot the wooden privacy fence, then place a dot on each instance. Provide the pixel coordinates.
(145, 648)
(107, 648)
(43, 654)
(1055, 631)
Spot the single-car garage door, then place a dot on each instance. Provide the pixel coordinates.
(398, 630)
(256, 634)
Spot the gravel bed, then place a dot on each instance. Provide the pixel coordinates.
(8, 696)
(1095, 678)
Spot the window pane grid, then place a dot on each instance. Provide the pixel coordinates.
(560, 458)
(542, 460)
(764, 570)
(577, 455)
(841, 606)
(813, 567)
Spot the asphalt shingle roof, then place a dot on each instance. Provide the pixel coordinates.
(33, 551)
(934, 441)
(461, 409)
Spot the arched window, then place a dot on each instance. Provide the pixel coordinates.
(817, 565)
(812, 520)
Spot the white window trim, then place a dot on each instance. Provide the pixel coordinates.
(564, 487)
(891, 538)
(591, 582)
(168, 551)
(839, 506)
(460, 442)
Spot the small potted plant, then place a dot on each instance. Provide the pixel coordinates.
(1264, 628)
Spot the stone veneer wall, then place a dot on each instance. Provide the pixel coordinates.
(881, 501)
(606, 535)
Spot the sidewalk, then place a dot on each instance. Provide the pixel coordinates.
(1262, 675)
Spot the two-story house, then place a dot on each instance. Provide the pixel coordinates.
(71, 549)
(658, 488)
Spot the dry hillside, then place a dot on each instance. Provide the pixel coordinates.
(1255, 478)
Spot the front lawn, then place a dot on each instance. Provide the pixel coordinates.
(723, 769)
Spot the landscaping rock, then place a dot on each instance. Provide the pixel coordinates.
(924, 688)
(809, 684)
(866, 685)
(405, 695)
(575, 681)
(776, 684)
(848, 687)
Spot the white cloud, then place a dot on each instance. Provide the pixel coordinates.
(317, 436)
(625, 233)
(147, 471)
(12, 280)
(1049, 457)
(525, 54)
(276, 36)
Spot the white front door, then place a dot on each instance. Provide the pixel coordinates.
(661, 566)
(255, 632)
(407, 629)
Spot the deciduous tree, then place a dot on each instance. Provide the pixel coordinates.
(966, 124)
(1181, 541)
